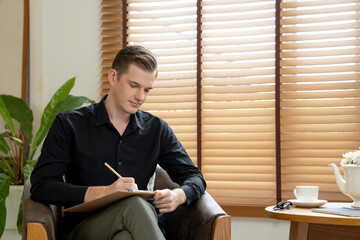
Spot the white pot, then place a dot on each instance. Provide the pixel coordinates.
(12, 209)
(350, 185)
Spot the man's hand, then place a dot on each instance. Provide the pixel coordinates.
(122, 184)
(167, 200)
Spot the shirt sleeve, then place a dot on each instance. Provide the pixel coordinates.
(47, 177)
(177, 163)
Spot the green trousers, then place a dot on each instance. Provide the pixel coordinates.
(130, 218)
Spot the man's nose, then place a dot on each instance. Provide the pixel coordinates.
(140, 95)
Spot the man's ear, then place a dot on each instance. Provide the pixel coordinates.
(112, 76)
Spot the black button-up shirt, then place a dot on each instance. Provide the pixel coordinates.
(80, 141)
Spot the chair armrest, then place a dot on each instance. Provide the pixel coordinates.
(197, 221)
(35, 213)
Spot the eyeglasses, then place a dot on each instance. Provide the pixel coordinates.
(283, 205)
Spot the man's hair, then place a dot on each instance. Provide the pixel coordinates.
(134, 54)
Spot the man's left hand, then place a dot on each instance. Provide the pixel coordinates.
(167, 200)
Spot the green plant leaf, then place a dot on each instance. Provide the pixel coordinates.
(4, 192)
(71, 102)
(21, 113)
(46, 120)
(6, 115)
(28, 168)
(4, 147)
(19, 222)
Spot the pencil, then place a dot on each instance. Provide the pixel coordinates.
(115, 172)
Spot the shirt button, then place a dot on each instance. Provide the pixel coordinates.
(120, 141)
(119, 163)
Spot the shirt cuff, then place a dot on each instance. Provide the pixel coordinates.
(188, 193)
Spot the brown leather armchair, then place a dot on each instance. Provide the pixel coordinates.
(203, 220)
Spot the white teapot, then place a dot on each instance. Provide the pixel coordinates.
(351, 185)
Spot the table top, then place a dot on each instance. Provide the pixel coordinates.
(297, 214)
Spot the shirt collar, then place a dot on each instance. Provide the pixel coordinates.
(101, 114)
(102, 117)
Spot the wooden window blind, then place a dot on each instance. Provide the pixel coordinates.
(238, 72)
(230, 52)
(319, 91)
(111, 37)
(168, 29)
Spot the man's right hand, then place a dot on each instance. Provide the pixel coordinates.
(122, 184)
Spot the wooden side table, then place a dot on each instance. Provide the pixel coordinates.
(309, 225)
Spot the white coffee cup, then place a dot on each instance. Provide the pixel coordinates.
(306, 193)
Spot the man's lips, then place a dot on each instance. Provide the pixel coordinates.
(135, 104)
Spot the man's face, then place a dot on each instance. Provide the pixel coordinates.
(131, 90)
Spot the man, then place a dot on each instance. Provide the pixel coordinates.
(132, 141)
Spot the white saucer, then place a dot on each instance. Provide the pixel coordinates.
(316, 203)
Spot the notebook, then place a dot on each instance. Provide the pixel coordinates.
(350, 212)
(107, 200)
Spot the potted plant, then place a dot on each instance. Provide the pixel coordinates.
(17, 144)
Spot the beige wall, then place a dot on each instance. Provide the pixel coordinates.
(65, 42)
(11, 33)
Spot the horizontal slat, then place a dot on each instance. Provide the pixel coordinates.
(251, 136)
(321, 136)
(240, 9)
(170, 99)
(238, 112)
(162, 29)
(238, 73)
(218, 47)
(160, 22)
(322, 128)
(260, 128)
(319, 44)
(238, 145)
(169, 106)
(239, 89)
(238, 97)
(226, 26)
(237, 105)
(320, 103)
(319, 144)
(254, 41)
(213, 18)
(238, 177)
(327, 77)
(314, 11)
(239, 33)
(319, 119)
(320, 52)
(239, 65)
(313, 3)
(322, 61)
(321, 86)
(153, 6)
(322, 69)
(351, 33)
(238, 161)
(161, 37)
(237, 81)
(339, 17)
(238, 120)
(163, 14)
